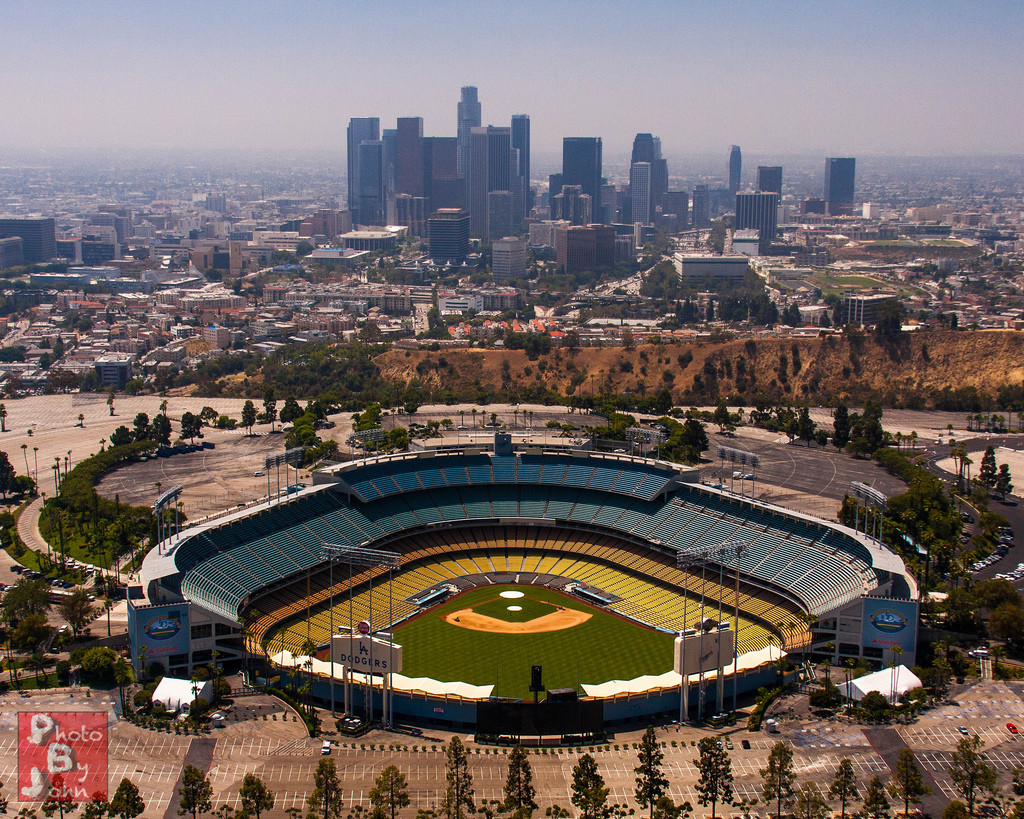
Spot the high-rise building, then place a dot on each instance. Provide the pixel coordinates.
(509, 257)
(489, 170)
(410, 211)
(587, 247)
(389, 139)
(678, 204)
(521, 143)
(499, 214)
(647, 148)
(409, 156)
(468, 117)
(640, 190)
(360, 129)
(573, 206)
(11, 253)
(769, 178)
(448, 235)
(735, 169)
(370, 196)
(701, 207)
(839, 183)
(442, 184)
(38, 237)
(758, 211)
(581, 164)
(554, 187)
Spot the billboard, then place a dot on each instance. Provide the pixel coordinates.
(367, 654)
(158, 632)
(63, 755)
(889, 624)
(703, 652)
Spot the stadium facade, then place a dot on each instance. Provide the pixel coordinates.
(607, 527)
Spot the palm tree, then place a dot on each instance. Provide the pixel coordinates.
(24, 452)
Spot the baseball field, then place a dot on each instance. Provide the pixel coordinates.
(493, 634)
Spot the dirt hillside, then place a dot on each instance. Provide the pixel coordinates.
(922, 370)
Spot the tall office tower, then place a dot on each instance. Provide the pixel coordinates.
(554, 187)
(647, 148)
(360, 129)
(678, 204)
(573, 206)
(581, 164)
(839, 179)
(469, 117)
(499, 214)
(640, 190)
(769, 178)
(489, 170)
(701, 207)
(610, 203)
(521, 143)
(442, 184)
(38, 237)
(643, 149)
(370, 198)
(509, 257)
(735, 168)
(389, 139)
(409, 156)
(448, 235)
(760, 212)
(410, 211)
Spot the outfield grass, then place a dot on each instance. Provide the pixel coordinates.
(605, 647)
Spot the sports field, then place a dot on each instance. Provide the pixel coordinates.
(503, 636)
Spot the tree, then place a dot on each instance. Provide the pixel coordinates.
(805, 426)
(60, 799)
(908, 781)
(6, 474)
(291, 410)
(589, 793)
(389, 794)
(778, 778)
(458, 794)
(195, 792)
(721, 416)
(161, 432)
(270, 406)
(810, 804)
(248, 416)
(191, 426)
(26, 597)
(519, 790)
(650, 774)
(255, 796)
(1003, 485)
(841, 426)
(987, 471)
(955, 810)
(715, 774)
(693, 441)
(76, 609)
(126, 802)
(876, 803)
(3, 418)
(140, 427)
(1007, 623)
(325, 801)
(970, 772)
(844, 786)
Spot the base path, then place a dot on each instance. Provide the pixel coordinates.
(200, 755)
(555, 621)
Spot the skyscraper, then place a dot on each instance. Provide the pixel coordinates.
(521, 143)
(469, 117)
(409, 156)
(581, 164)
(701, 207)
(448, 231)
(769, 178)
(370, 198)
(640, 189)
(360, 129)
(839, 183)
(38, 236)
(760, 212)
(647, 148)
(735, 168)
(489, 170)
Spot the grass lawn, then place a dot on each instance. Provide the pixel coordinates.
(603, 648)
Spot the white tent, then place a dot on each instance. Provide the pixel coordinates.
(177, 695)
(890, 683)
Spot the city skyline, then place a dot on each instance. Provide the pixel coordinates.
(205, 77)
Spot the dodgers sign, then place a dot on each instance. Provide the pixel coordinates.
(890, 624)
(369, 655)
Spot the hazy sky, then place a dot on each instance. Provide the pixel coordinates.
(900, 76)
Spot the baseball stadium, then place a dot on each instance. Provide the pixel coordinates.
(479, 564)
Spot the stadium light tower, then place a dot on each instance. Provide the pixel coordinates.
(369, 559)
(720, 554)
(743, 458)
(871, 498)
(165, 528)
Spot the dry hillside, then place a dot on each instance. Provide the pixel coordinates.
(918, 369)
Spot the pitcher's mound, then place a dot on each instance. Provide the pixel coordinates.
(555, 621)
